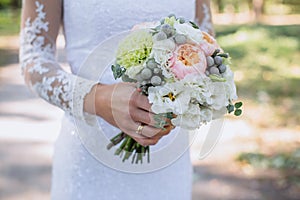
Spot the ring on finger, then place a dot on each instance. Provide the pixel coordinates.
(139, 129)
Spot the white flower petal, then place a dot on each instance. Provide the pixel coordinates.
(194, 35)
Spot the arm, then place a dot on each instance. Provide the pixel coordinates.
(40, 24)
(121, 104)
(203, 16)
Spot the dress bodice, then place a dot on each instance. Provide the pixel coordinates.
(87, 24)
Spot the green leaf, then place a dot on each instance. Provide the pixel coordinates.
(237, 112)
(118, 71)
(230, 108)
(160, 119)
(169, 115)
(216, 78)
(194, 25)
(238, 104)
(224, 55)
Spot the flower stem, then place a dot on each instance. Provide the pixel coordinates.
(116, 140)
(129, 148)
(120, 149)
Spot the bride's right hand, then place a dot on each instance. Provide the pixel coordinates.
(126, 108)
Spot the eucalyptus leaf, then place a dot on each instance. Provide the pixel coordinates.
(160, 119)
(238, 104)
(195, 26)
(230, 108)
(118, 71)
(237, 112)
(216, 78)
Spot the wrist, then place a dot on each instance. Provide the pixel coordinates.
(96, 99)
(89, 100)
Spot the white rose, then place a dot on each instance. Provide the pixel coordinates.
(133, 71)
(194, 35)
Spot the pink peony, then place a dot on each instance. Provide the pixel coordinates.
(209, 44)
(187, 59)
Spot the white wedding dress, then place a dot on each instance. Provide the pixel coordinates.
(80, 170)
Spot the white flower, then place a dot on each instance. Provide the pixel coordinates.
(167, 45)
(160, 56)
(194, 35)
(195, 100)
(193, 118)
(182, 101)
(218, 95)
(168, 75)
(172, 97)
(229, 84)
(190, 120)
(159, 103)
(133, 71)
(162, 50)
(198, 85)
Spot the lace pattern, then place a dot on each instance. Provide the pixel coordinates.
(44, 75)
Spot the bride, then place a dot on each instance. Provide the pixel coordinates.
(80, 171)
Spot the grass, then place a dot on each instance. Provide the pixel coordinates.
(266, 62)
(279, 160)
(9, 22)
(288, 163)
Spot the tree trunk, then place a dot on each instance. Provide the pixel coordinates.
(258, 8)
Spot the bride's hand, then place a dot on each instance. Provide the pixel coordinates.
(124, 107)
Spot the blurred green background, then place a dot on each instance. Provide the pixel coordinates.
(263, 39)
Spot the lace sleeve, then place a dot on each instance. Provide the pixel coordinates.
(40, 25)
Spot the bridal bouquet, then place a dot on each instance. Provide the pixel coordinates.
(183, 71)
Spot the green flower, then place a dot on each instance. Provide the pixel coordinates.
(134, 49)
(170, 20)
